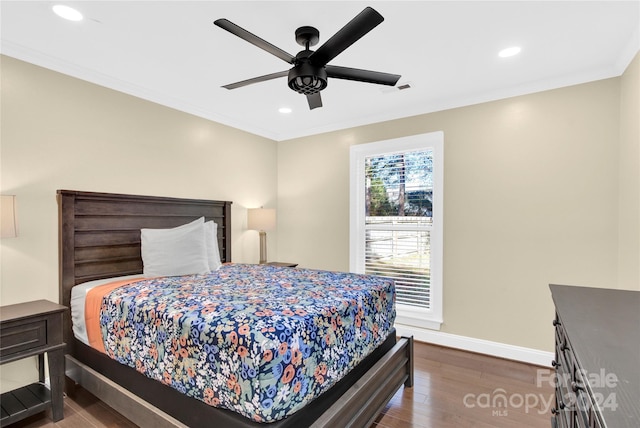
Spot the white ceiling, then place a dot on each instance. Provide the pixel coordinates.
(170, 52)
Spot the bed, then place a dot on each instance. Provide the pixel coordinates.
(99, 237)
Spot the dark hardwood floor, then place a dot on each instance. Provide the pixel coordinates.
(457, 389)
(452, 389)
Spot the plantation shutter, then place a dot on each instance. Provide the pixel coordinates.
(398, 222)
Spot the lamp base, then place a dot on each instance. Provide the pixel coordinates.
(263, 247)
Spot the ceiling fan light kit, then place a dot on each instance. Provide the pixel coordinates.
(310, 72)
(307, 80)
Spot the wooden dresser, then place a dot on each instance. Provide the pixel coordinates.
(597, 357)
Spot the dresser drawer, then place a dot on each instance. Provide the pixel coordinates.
(19, 337)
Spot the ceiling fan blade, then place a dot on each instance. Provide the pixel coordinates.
(225, 24)
(315, 100)
(364, 22)
(256, 80)
(362, 75)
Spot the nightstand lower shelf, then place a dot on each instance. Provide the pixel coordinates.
(24, 402)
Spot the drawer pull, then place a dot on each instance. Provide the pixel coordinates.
(556, 323)
(555, 364)
(576, 386)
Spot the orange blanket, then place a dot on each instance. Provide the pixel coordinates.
(92, 306)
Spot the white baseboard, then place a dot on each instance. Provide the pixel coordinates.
(481, 346)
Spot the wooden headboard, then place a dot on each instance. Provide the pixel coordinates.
(99, 233)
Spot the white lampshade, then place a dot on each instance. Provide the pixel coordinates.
(261, 219)
(8, 216)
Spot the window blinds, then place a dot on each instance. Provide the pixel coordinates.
(398, 223)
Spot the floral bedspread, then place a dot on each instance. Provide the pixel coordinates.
(259, 340)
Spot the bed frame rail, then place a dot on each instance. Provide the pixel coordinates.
(357, 408)
(360, 410)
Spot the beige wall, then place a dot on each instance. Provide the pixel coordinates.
(629, 201)
(531, 198)
(63, 133)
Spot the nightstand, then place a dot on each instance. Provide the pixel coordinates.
(281, 264)
(28, 329)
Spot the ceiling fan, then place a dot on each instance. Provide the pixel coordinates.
(310, 68)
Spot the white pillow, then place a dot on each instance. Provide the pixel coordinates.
(211, 241)
(178, 251)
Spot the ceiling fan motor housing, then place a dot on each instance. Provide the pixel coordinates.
(305, 78)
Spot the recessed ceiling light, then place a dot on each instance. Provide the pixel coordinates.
(285, 110)
(514, 50)
(67, 12)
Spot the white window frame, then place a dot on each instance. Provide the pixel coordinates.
(431, 318)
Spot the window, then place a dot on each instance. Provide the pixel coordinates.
(396, 221)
